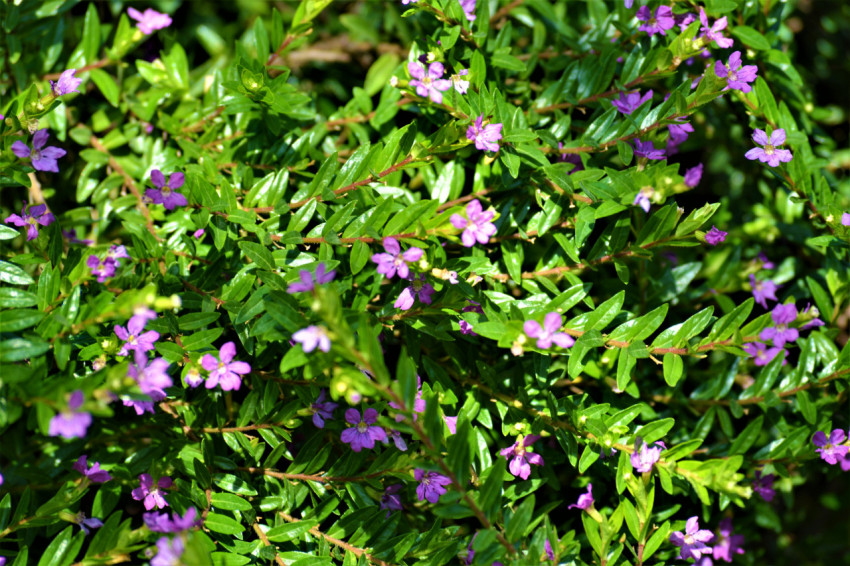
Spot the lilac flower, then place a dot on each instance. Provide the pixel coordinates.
(152, 495)
(169, 552)
(161, 523)
(678, 134)
(585, 500)
(37, 215)
(684, 20)
(166, 192)
(692, 540)
(198, 234)
(134, 339)
(418, 288)
(461, 85)
(727, 544)
(311, 337)
(549, 332)
(362, 434)
(429, 84)
(736, 77)
(66, 84)
(71, 423)
(519, 458)
(103, 268)
(307, 283)
(42, 159)
(86, 524)
(573, 158)
(831, 449)
(479, 226)
(715, 236)
(693, 176)
(765, 262)
(431, 485)
(470, 552)
(322, 410)
(662, 21)
(95, 474)
(642, 200)
(152, 377)
(419, 404)
(647, 150)
(769, 153)
(487, 137)
(391, 500)
(763, 290)
(225, 370)
(71, 236)
(762, 354)
(393, 260)
(782, 315)
(397, 439)
(141, 406)
(628, 3)
(150, 20)
(814, 322)
(547, 548)
(466, 328)
(193, 377)
(451, 424)
(763, 485)
(118, 252)
(714, 32)
(845, 219)
(644, 458)
(628, 102)
(468, 9)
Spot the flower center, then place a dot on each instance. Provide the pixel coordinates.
(221, 365)
(733, 76)
(768, 149)
(131, 339)
(417, 285)
(689, 539)
(362, 427)
(36, 154)
(426, 81)
(166, 190)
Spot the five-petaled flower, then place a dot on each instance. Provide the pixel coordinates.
(431, 485)
(477, 226)
(644, 457)
(71, 423)
(133, 337)
(520, 458)
(362, 434)
(428, 83)
(659, 23)
(782, 315)
(37, 215)
(727, 544)
(94, 474)
(549, 332)
(151, 494)
(66, 84)
(762, 354)
(311, 337)
(166, 193)
(461, 84)
(169, 552)
(692, 541)
(647, 150)
(769, 154)
(161, 523)
(831, 449)
(150, 20)
(763, 485)
(715, 236)
(418, 287)
(763, 290)
(43, 158)
(714, 32)
(393, 261)
(487, 137)
(737, 77)
(585, 500)
(391, 500)
(322, 410)
(628, 102)
(307, 283)
(224, 370)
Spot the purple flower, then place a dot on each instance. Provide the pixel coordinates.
(628, 3)
(468, 9)
(693, 176)
(585, 500)
(311, 337)
(519, 458)
(814, 322)
(647, 150)
(42, 159)
(37, 215)
(684, 20)
(429, 84)
(225, 370)
(133, 337)
(662, 21)
(782, 315)
(431, 485)
(362, 434)
(152, 377)
(150, 20)
(397, 439)
(418, 288)
(763, 290)
(165, 193)
(161, 523)
(642, 200)
(198, 234)
(714, 32)
(727, 544)
(103, 268)
(86, 524)
(461, 85)
(479, 226)
(769, 153)
(393, 260)
(119, 252)
(66, 84)
(692, 540)
(547, 548)
(322, 410)
(763, 485)
(193, 377)
(419, 404)
(630, 101)
(307, 283)
(466, 328)
(831, 449)
(715, 236)
(678, 135)
(736, 77)
(762, 354)
(72, 238)
(644, 458)
(765, 262)
(71, 423)
(152, 495)
(549, 332)
(169, 552)
(95, 474)
(845, 219)
(391, 500)
(487, 137)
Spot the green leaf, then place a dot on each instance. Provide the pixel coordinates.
(751, 37)
(233, 484)
(289, 531)
(14, 275)
(673, 369)
(91, 34)
(806, 406)
(747, 437)
(229, 502)
(107, 85)
(520, 519)
(506, 61)
(223, 524)
(259, 254)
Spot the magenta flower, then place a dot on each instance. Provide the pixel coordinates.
(311, 337)
(487, 137)
(362, 434)
(765, 261)
(322, 410)
(103, 268)
(549, 332)
(693, 176)
(692, 540)
(161, 523)
(845, 219)
(715, 236)
(43, 158)
(714, 32)
(169, 552)
(94, 474)
(393, 261)
(461, 85)
(468, 9)
(165, 192)
(519, 458)
(37, 215)
(769, 153)
(831, 449)
(418, 288)
(678, 135)
(71, 423)
(307, 283)
(642, 200)
(86, 524)
(628, 102)
(782, 315)
(419, 404)
(647, 150)
(644, 458)
(479, 226)
(662, 21)
(814, 322)
(429, 84)
(727, 544)
(431, 485)
(736, 76)
(762, 354)
(119, 252)
(198, 234)
(225, 370)
(451, 424)
(391, 500)
(466, 328)
(134, 339)
(763, 485)
(763, 290)
(151, 494)
(585, 500)
(547, 548)
(66, 84)
(152, 377)
(684, 20)
(150, 20)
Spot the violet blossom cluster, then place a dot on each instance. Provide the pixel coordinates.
(105, 268)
